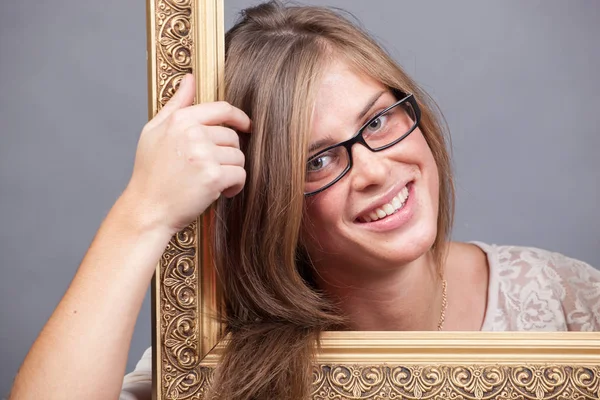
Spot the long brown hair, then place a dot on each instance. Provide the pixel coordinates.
(275, 55)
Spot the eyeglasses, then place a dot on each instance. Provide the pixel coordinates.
(381, 132)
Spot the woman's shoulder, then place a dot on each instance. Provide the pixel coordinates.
(514, 261)
(537, 289)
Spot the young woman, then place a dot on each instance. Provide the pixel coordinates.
(334, 207)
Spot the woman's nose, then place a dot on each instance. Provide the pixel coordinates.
(369, 169)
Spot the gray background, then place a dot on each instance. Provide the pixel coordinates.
(517, 80)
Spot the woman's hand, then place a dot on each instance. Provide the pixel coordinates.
(186, 159)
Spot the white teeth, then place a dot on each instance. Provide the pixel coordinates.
(389, 208)
(404, 192)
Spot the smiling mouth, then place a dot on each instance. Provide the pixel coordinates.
(388, 209)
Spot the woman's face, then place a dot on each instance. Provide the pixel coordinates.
(335, 228)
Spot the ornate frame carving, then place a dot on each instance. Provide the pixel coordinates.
(186, 36)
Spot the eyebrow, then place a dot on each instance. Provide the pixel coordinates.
(369, 105)
(321, 143)
(328, 140)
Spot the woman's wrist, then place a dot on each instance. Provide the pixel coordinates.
(141, 218)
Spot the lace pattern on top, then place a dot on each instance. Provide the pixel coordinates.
(532, 289)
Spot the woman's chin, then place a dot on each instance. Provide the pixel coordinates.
(403, 248)
(354, 247)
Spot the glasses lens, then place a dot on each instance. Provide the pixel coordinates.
(390, 126)
(323, 168)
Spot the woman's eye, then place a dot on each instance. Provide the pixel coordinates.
(376, 124)
(318, 163)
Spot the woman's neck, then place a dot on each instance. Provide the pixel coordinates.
(408, 298)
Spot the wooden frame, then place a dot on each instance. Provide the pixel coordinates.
(186, 36)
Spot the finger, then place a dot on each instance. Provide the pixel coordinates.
(233, 180)
(217, 113)
(229, 156)
(222, 136)
(183, 97)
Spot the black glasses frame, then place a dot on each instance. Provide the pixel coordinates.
(358, 138)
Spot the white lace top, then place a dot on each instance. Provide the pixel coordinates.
(537, 290)
(529, 290)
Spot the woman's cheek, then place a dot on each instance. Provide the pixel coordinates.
(323, 214)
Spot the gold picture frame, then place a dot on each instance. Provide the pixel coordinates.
(187, 36)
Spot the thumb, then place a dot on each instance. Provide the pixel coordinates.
(183, 97)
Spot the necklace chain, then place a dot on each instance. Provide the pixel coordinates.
(444, 305)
